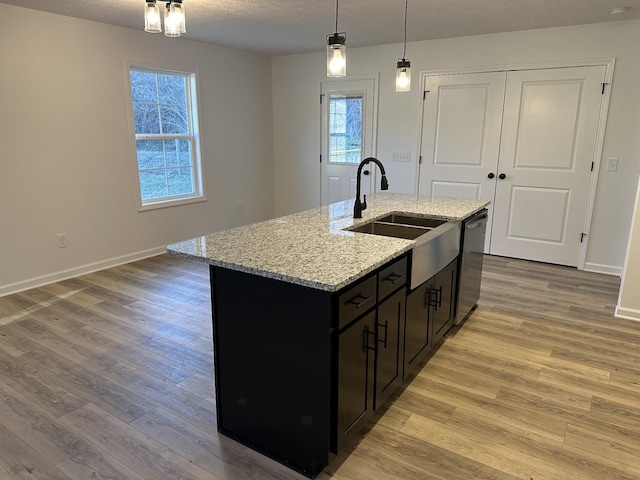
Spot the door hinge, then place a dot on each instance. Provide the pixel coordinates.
(320, 158)
(321, 95)
(604, 85)
(424, 94)
(592, 166)
(582, 235)
(420, 159)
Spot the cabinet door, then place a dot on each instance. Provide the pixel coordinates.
(389, 346)
(355, 374)
(417, 342)
(443, 299)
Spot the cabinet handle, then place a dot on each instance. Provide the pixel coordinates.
(359, 300)
(431, 298)
(385, 326)
(368, 332)
(439, 298)
(393, 278)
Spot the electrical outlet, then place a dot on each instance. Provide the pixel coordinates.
(400, 157)
(612, 164)
(62, 240)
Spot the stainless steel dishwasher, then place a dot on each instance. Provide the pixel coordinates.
(471, 260)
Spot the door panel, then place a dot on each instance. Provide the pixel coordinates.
(461, 135)
(347, 137)
(548, 139)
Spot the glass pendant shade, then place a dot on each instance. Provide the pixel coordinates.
(403, 76)
(336, 55)
(171, 23)
(152, 17)
(177, 15)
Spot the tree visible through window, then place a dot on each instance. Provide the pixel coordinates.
(164, 119)
(345, 128)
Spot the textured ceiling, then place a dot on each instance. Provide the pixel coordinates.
(277, 27)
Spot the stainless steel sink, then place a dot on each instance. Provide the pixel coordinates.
(409, 220)
(391, 230)
(437, 242)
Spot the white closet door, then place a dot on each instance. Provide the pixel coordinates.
(462, 117)
(548, 138)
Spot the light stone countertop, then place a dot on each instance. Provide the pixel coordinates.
(311, 248)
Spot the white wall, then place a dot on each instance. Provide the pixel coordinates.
(66, 162)
(296, 81)
(629, 300)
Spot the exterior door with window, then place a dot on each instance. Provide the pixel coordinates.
(348, 137)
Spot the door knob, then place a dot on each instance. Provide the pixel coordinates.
(502, 176)
(366, 172)
(491, 175)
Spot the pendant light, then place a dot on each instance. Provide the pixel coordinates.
(336, 52)
(174, 23)
(403, 67)
(152, 17)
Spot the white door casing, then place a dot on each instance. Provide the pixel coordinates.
(338, 178)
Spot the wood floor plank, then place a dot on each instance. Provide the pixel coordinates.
(110, 376)
(181, 402)
(92, 463)
(19, 460)
(625, 455)
(499, 454)
(36, 428)
(131, 447)
(217, 454)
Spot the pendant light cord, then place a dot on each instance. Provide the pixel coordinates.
(337, 1)
(404, 49)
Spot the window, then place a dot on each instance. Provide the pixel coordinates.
(345, 128)
(165, 128)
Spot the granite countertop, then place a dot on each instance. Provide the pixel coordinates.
(311, 248)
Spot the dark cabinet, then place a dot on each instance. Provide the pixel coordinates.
(389, 346)
(355, 374)
(417, 334)
(429, 315)
(443, 300)
(370, 347)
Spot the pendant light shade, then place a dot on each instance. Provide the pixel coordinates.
(152, 17)
(403, 75)
(336, 55)
(174, 20)
(403, 66)
(336, 52)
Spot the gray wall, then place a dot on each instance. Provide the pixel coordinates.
(66, 158)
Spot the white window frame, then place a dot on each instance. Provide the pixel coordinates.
(193, 137)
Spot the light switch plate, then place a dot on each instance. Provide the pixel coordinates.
(400, 157)
(612, 164)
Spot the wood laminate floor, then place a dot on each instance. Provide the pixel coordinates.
(110, 376)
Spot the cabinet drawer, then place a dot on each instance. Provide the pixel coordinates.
(392, 278)
(356, 301)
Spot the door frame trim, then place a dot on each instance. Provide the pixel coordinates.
(608, 63)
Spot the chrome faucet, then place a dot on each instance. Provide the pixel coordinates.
(358, 206)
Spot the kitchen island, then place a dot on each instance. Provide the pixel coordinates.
(309, 324)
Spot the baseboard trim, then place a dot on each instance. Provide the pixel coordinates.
(628, 313)
(77, 271)
(606, 269)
